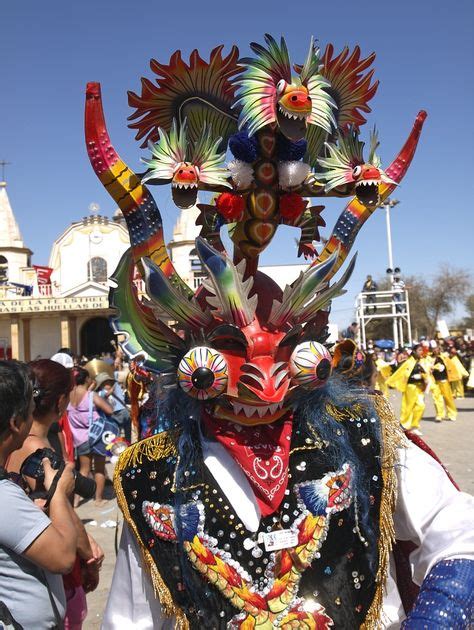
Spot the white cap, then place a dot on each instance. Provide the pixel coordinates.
(64, 359)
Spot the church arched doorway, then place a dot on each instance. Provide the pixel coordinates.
(96, 337)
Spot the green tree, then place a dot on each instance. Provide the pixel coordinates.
(449, 287)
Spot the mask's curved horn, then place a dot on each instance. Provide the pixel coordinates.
(355, 214)
(138, 206)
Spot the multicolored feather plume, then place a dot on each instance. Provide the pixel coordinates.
(170, 151)
(171, 300)
(229, 292)
(303, 289)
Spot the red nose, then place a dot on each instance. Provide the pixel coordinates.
(267, 380)
(299, 99)
(371, 173)
(185, 175)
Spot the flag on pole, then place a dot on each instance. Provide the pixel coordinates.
(43, 274)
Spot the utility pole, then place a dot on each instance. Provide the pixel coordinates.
(388, 204)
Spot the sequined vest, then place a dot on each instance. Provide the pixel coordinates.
(207, 569)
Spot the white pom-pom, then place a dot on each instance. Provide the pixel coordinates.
(242, 174)
(292, 174)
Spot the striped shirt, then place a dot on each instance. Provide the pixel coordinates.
(398, 286)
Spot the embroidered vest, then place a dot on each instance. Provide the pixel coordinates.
(207, 569)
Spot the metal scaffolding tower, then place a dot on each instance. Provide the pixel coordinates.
(385, 305)
(393, 305)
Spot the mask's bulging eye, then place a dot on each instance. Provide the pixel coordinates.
(356, 171)
(202, 373)
(310, 364)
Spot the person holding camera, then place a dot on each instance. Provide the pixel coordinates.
(82, 413)
(52, 385)
(35, 549)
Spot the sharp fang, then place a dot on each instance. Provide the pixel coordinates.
(273, 408)
(249, 411)
(237, 408)
(262, 411)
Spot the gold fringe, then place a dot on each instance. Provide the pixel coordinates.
(392, 438)
(153, 448)
(344, 413)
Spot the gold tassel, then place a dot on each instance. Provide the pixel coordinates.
(153, 449)
(392, 438)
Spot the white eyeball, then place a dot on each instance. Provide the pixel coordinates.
(281, 85)
(310, 364)
(202, 373)
(356, 171)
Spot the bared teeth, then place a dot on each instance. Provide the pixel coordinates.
(292, 116)
(258, 410)
(367, 182)
(185, 186)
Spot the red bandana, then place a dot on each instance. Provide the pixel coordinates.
(262, 452)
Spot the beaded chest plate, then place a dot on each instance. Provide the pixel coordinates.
(228, 577)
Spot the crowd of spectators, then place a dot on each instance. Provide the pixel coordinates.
(54, 415)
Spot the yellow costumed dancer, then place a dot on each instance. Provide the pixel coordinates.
(456, 373)
(441, 388)
(470, 381)
(384, 371)
(410, 379)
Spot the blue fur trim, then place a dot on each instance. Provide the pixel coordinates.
(244, 148)
(446, 598)
(311, 408)
(184, 412)
(287, 150)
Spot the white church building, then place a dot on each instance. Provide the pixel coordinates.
(72, 310)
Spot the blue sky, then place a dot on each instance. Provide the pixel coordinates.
(425, 51)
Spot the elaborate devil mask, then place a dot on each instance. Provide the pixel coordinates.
(240, 345)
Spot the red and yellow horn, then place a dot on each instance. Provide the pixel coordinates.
(133, 198)
(355, 214)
